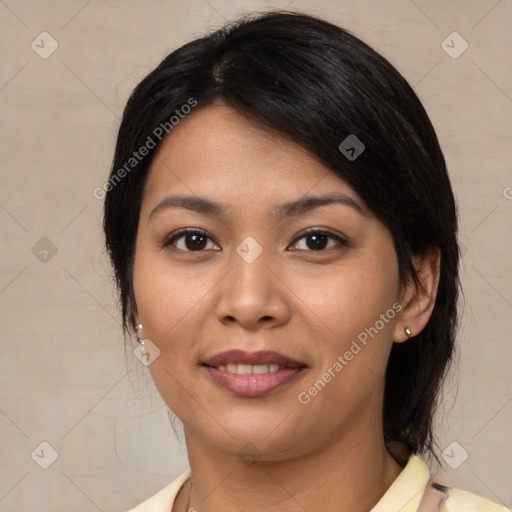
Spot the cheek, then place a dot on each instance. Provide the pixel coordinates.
(350, 298)
(170, 306)
(355, 305)
(356, 310)
(165, 298)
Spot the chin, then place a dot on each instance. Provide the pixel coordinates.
(252, 433)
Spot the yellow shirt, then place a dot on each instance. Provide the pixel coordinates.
(405, 495)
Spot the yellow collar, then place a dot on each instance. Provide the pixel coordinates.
(407, 490)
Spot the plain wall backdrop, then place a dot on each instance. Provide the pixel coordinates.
(64, 379)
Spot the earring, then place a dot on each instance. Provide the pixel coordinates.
(138, 328)
(408, 332)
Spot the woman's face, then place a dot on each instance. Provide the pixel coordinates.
(283, 264)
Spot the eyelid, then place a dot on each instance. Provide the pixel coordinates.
(322, 231)
(341, 239)
(170, 239)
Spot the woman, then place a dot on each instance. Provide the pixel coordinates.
(283, 233)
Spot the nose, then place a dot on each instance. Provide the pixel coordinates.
(253, 296)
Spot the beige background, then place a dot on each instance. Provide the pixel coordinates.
(63, 375)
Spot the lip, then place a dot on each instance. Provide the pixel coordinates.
(253, 385)
(253, 358)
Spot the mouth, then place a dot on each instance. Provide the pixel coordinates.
(246, 369)
(253, 374)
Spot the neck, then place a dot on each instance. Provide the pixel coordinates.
(350, 474)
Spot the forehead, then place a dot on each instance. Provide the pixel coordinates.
(216, 151)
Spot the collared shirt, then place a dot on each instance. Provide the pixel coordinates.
(410, 492)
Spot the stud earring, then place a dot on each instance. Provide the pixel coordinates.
(408, 332)
(138, 328)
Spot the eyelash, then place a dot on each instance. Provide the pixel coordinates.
(171, 239)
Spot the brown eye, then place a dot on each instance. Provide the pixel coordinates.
(195, 242)
(318, 240)
(192, 241)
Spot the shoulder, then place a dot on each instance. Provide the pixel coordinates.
(446, 499)
(163, 500)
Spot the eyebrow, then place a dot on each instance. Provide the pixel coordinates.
(302, 205)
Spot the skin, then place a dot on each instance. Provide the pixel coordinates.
(306, 304)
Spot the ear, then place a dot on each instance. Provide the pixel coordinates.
(418, 298)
